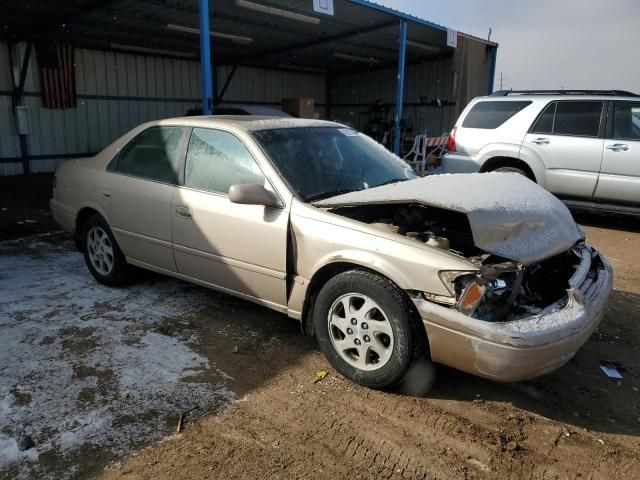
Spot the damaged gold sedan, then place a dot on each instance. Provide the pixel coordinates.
(487, 273)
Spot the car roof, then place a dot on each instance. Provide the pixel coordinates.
(260, 110)
(250, 123)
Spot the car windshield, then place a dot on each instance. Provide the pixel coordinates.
(321, 162)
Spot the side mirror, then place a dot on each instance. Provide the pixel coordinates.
(252, 194)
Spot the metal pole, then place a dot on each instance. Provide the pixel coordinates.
(205, 57)
(400, 86)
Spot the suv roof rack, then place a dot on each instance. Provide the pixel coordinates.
(612, 93)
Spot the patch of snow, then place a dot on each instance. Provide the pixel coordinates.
(509, 215)
(273, 123)
(10, 451)
(82, 363)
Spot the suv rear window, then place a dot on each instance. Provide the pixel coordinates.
(490, 115)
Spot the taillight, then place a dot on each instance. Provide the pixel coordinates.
(451, 141)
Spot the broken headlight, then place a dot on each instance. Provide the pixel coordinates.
(467, 288)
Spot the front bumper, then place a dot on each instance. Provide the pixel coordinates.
(528, 347)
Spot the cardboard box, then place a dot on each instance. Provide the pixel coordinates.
(299, 107)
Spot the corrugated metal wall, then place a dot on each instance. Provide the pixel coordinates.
(424, 83)
(118, 91)
(271, 86)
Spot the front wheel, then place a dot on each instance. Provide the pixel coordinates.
(102, 254)
(367, 329)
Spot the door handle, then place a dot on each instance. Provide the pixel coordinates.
(618, 147)
(541, 141)
(106, 194)
(183, 212)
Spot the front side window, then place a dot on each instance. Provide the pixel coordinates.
(321, 162)
(580, 119)
(153, 154)
(626, 121)
(216, 160)
(490, 115)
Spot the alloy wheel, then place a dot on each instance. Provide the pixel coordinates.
(360, 331)
(100, 250)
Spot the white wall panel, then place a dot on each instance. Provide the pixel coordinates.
(258, 85)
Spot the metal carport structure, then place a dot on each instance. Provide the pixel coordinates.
(361, 45)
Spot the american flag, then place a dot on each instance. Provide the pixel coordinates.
(57, 75)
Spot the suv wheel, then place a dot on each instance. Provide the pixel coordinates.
(367, 329)
(513, 170)
(102, 254)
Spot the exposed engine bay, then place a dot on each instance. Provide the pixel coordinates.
(502, 289)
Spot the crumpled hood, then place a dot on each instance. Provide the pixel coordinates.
(509, 215)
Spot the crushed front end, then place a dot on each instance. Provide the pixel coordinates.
(509, 322)
(520, 310)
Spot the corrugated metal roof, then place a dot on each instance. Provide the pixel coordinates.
(361, 35)
(398, 13)
(413, 18)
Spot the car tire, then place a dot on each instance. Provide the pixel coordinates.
(103, 256)
(517, 170)
(376, 341)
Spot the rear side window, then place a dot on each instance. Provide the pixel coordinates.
(490, 115)
(216, 160)
(153, 154)
(544, 124)
(626, 121)
(580, 119)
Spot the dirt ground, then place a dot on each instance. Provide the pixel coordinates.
(573, 423)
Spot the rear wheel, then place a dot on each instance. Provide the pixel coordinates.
(367, 328)
(102, 254)
(517, 170)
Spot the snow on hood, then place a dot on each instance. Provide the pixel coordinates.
(510, 215)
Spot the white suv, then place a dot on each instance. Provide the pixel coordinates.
(583, 146)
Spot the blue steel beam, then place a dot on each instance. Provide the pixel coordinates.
(205, 57)
(402, 53)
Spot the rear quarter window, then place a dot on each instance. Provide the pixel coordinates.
(490, 115)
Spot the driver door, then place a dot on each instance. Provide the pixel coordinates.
(236, 248)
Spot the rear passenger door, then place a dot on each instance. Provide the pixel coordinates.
(136, 191)
(568, 138)
(619, 180)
